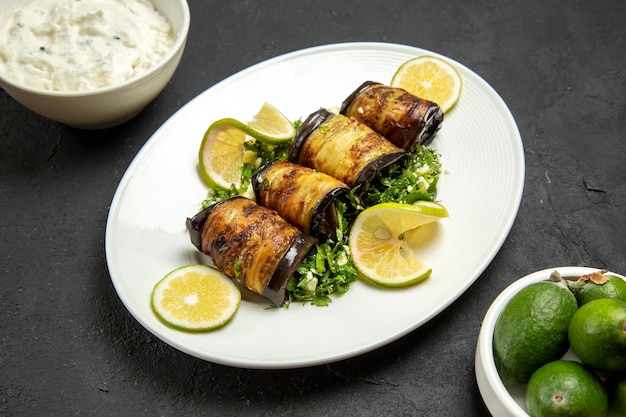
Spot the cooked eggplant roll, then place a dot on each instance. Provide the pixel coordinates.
(398, 115)
(251, 244)
(302, 196)
(342, 148)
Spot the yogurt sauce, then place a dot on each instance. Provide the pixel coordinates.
(78, 45)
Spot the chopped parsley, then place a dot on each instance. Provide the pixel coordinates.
(411, 179)
(327, 269)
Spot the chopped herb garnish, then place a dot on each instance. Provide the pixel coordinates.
(411, 179)
(327, 269)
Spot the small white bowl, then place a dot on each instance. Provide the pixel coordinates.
(112, 105)
(500, 400)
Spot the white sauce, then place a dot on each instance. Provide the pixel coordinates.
(78, 45)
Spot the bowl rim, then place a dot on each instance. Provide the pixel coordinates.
(484, 362)
(179, 42)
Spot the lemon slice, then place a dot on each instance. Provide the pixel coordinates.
(222, 152)
(195, 298)
(270, 126)
(379, 246)
(430, 78)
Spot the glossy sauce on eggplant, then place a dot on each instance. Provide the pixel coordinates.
(302, 196)
(401, 117)
(251, 244)
(342, 148)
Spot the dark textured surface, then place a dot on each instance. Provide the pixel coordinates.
(70, 348)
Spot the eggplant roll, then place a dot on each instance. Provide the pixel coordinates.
(302, 196)
(342, 147)
(402, 118)
(251, 244)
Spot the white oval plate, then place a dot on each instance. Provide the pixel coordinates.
(146, 238)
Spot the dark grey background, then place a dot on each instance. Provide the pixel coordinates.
(70, 348)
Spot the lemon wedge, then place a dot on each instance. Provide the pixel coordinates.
(270, 126)
(430, 78)
(380, 250)
(195, 298)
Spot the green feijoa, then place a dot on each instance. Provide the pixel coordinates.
(598, 285)
(565, 388)
(616, 390)
(532, 330)
(597, 334)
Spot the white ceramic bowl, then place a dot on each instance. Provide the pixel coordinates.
(500, 400)
(112, 105)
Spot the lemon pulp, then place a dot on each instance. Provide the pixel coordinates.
(430, 78)
(221, 154)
